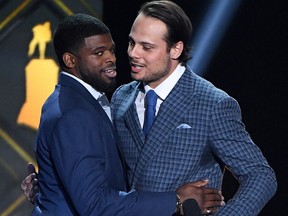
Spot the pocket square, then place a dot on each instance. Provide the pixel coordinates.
(183, 126)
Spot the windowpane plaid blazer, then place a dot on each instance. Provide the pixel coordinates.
(198, 131)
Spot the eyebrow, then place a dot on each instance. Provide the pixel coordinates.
(103, 47)
(143, 43)
(148, 44)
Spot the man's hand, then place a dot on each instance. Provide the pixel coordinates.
(29, 185)
(208, 199)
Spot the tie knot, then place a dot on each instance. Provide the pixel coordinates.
(103, 100)
(151, 98)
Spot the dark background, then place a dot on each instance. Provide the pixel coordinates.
(250, 64)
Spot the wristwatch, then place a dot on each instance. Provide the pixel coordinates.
(179, 209)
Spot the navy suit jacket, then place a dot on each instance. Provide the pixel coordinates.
(80, 168)
(197, 131)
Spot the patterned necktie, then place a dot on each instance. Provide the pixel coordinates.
(151, 99)
(104, 102)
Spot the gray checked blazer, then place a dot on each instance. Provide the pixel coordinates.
(197, 132)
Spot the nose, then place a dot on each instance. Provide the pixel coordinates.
(133, 51)
(110, 56)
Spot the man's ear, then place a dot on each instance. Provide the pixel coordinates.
(176, 50)
(69, 60)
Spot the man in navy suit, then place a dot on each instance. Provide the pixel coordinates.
(198, 128)
(81, 170)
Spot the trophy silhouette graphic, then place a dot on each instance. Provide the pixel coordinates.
(41, 76)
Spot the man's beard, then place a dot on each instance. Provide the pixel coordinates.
(156, 75)
(97, 82)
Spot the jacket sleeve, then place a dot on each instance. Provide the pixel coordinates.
(232, 144)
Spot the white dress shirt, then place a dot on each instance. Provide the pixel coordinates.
(161, 90)
(96, 94)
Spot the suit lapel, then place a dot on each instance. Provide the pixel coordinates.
(177, 102)
(73, 84)
(134, 126)
(131, 118)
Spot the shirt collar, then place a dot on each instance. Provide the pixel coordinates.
(168, 84)
(96, 94)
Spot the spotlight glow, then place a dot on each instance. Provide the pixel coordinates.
(214, 25)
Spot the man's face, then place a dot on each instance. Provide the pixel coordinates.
(96, 62)
(149, 58)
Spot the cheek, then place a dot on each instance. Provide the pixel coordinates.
(95, 66)
(158, 61)
(154, 59)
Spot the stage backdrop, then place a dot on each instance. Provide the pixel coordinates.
(28, 74)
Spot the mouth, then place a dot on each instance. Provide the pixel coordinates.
(136, 67)
(110, 72)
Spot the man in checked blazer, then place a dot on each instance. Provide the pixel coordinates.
(80, 165)
(198, 128)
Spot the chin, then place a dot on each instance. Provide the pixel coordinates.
(136, 77)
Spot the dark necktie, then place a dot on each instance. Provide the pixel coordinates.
(151, 99)
(104, 102)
